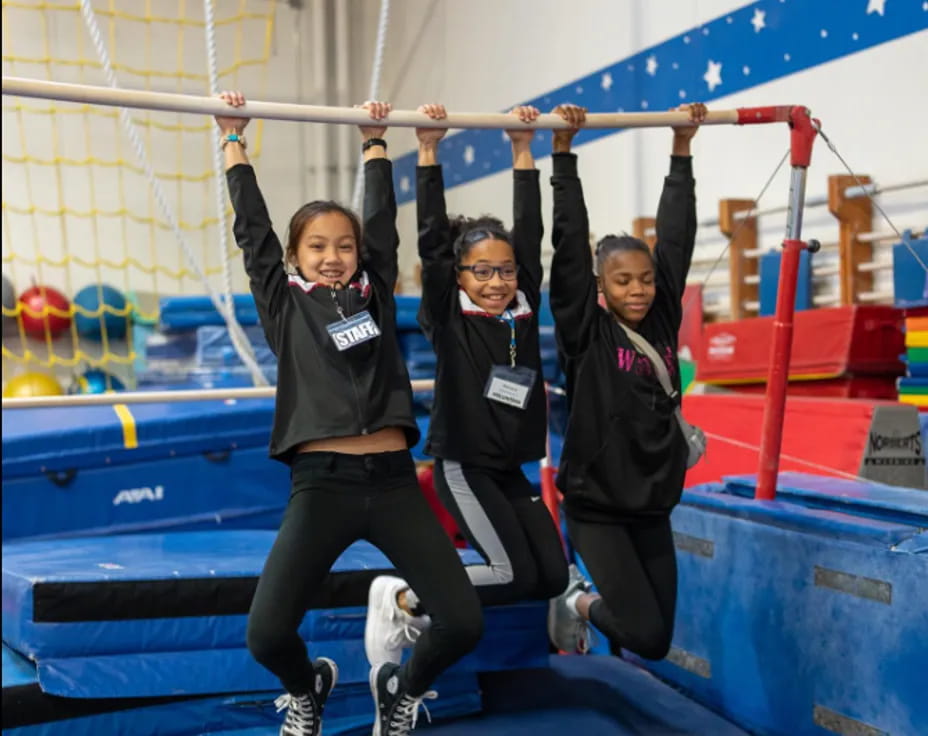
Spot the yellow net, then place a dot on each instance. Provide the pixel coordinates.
(86, 253)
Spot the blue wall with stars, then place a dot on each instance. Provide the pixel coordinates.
(757, 43)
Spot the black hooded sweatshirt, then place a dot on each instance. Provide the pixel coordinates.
(624, 453)
(465, 426)
(323, 392)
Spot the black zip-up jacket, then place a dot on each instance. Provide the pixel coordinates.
(468, 342)
(321, 392)
(624, 453)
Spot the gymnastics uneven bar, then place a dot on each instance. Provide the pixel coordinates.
(802, 135)
(173, 102)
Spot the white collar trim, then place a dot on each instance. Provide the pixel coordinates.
(363, 284)
(522, 309)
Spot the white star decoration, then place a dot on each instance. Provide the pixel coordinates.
(758, 20)
(713, 75)
(606, 81)
(404, 184)
(469, 155)
(876, 6)
(652, 65)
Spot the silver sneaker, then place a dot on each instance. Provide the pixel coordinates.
(569, 631)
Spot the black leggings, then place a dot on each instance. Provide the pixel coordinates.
(504, 519)
(634, 567)
(335, 500)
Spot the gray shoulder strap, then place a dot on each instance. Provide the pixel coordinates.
(645, 347)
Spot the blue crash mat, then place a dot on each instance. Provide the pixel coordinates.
(197, 465)
(93, 611)
(720, 499)
(54, 439)
(152, 592)
(514, 638)
(190, 312)
(599, 696)
(604, 696)
(28, 711)
(867, 499)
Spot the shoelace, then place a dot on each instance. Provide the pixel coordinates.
(300, 711)
(406, 715)
(400, 636)
(411, 632)
(403, 636)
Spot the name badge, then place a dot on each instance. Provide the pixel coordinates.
(353, 331)
(510, 385)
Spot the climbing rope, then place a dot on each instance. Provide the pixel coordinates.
(240, 341)
(376, 69)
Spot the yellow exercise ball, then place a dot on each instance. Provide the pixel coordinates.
(26, 385)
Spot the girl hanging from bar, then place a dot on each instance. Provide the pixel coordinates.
(344, 424)
(481, 293)
(625, 456)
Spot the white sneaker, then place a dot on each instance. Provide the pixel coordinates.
(389, 629)
(567, 629)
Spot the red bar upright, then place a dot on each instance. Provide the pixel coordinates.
(802, 136)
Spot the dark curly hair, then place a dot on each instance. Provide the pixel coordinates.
(466, 232)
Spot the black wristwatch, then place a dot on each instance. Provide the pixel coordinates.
(371, 142)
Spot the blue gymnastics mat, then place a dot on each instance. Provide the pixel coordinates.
(592, 696)
(78, 471)
(174, 606)
(28, 711)
(91, 470)
(806, 611)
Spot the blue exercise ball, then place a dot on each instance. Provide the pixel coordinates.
(95, 381)
(92, 298)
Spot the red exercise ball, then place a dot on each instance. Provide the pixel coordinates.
(36, 319)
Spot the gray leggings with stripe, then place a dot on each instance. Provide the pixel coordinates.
(504, 519)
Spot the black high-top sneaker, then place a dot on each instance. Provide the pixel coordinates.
(397, 712)
(304, 712)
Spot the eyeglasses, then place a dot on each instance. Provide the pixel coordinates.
(484, 271)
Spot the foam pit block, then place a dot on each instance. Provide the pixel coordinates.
(824, 611)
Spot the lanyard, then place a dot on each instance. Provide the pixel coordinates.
(512, 335)
(338, 307)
